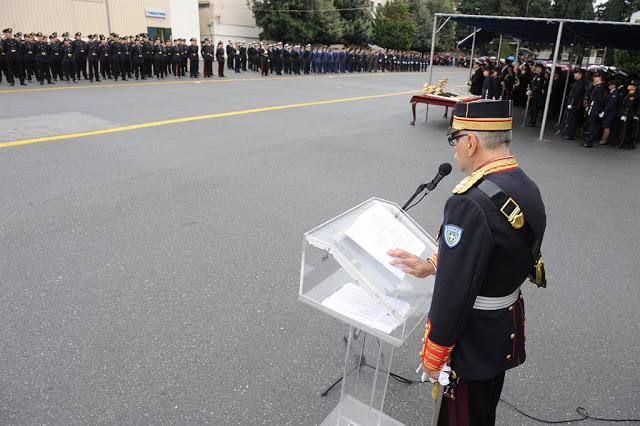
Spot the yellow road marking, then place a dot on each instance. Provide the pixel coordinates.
(214, 80)
(194, 118)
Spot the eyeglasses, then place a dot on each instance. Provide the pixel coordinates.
(453, 139)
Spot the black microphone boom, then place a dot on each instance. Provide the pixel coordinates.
(443, 170)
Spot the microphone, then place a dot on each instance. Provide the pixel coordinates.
(443, 170)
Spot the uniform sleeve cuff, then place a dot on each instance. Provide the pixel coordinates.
(433, 355)
(434, 260)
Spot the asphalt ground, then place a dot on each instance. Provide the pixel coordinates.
(149, 274)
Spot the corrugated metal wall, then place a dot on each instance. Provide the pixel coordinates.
(87, 16)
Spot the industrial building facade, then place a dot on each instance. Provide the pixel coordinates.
(164, 19)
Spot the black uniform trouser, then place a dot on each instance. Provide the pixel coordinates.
(105, 68)
(475, 403)
(81, 65)
(208, 67)
(243, 62)
(592, 126)
(236, 65)
(177, 68)
(574, 120)
(93, 69)
(193, 67)
(221, 67)
(278, 66)
(115, 68)
(124, 68)
(56, 70)
(68, 68)
(43, 71)
(264, 66)
(158, 68)
(628, 132)
(138, 68)
(30, 66)
(14, 68)
(3, 67)
(230, 59)
(534, 106)
(147, 67)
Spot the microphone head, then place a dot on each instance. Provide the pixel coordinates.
(444, 169)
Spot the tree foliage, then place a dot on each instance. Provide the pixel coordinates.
(357, 25)
(573, 9)
(393, 27)
(617, 10)
(422, 12)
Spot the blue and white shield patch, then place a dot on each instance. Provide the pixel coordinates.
(452, 235)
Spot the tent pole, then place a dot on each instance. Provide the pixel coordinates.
(499, 49)
(433, 50)
(473, 46)
(553, 69)
(566, 81)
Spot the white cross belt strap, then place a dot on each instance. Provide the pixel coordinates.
(484, 303)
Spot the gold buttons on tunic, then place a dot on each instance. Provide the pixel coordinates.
(508, 356)
(511, 308)
(521, 296)
(513, 336)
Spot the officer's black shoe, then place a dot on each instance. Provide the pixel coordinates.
(23, 84)
(90, 80)
(50, 82)
(124, 79)
(75, 81)
(98, 80)
(144, 78)
(42, 83)
(12, 84)
(116, 78)
(586, 145)
(567, 138)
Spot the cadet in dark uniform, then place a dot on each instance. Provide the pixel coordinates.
(3, 62)
(68, 61)
(80, 56)
(147, 55)
(575, 105)
(487, 87)
(92, 58)
(41, 47)
(124, 54)
(230, 51)
(55, 58)
(207, 57)
(611, 106)
(477, 79)
(192, 52)
(114, 55)
(11, 48)
(536, 93)
(103, 56)
(628, 117)
(220, 59)
(177, 59)
(137, 53)
(29, 56)
(158, 59)
(489, 243)
(595, 102)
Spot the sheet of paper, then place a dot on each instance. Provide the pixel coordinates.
(376, 231)
(353, 301)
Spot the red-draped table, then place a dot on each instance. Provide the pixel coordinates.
(436, 100)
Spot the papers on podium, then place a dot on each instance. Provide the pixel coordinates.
(377, 231)
(353, 301)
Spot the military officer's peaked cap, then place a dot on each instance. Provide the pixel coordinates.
(78, 34)
(54, 34)
(193, 39)
(91, 36)
(18, 34)
(39, 35)
(483, 116)
(634, 83)
(65, 35)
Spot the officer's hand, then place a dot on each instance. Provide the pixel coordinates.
(601, 115)
(413, 264)
(569, 107)
(433, 374)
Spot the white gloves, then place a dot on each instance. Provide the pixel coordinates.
(529, 92)
(623, 118)
(443, 378)
(601, 115)
(569, 107)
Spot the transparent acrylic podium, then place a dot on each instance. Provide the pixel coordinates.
(382, 307)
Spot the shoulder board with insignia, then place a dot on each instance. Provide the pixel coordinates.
(468, 182)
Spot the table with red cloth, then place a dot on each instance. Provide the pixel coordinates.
(445, 101)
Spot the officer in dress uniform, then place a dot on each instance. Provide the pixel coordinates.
(92, 58)
(29, 56)
(137, 53)
(68, 61)
(488, 244)
(124, 55)
(192, 52)
(575, 105)
(595, 109)
(103, 57)
(628, 117)
(3, 61)
(80, 56)
(207, 57)
(611, 106)
(220, 59)
(158, 59)
(41, 48)
(536, 92)
(11, 48)
(477, 79)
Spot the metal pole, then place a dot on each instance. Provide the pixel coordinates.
(433, 50)
(499, 48)
(473, 46)
(566, 82)
(553, 68)
(518, 50)
(106, 3)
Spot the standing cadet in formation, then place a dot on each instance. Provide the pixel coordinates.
(208, 57)
(42, 60)
(103, 56)
(611, 106)
(575, 105)
(192, 53)
(11, 48)
(158, 59)
(92, 58)
(536, 93)
(68, 61)
(137, 51)
(80, 56)
(595, 109)
(220, 59)
(628, 118)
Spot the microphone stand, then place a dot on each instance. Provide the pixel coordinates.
(424, 186)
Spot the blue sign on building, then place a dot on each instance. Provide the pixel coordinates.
(156, 13)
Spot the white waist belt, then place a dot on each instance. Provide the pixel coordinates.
(494, 303)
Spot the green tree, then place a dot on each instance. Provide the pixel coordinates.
(393, 27)
(617, 10)
(423, 22)
(628, 61)
(326, 21)
(357, 24)
(573, 9)
(446, 39)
